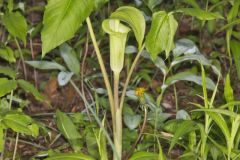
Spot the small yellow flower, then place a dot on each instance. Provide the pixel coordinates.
(139, 91)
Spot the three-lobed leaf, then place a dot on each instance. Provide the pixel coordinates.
(62, 18)
(161, 35)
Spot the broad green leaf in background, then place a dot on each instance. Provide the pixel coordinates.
(144, 156)
(235, 47)
(69, 130)
(188, 76)
(8, 72)
(69, 156)
(7, 86)
(7, 54)
(28, 87)
(10, 5)
(153, 3)
(132, 121)
(69, 56)
(193, 3)
(200, 14)
(182, 114)
(232, 14)
(64, 78)
(159, 62)
(45, 65)
(134, 18)
(196, 57)
(62, 18)
(18, 123)
(161, 35)
(186, 47)
(16, 25)
(221, 123)
(186, 126)
(228, 91)
(100, 3)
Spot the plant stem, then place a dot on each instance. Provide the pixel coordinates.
(118, 135)
(176, 97)
(22, 58)
(129, 76)
(103, 69)
(118, 120)
(15, 148)
(33, 57)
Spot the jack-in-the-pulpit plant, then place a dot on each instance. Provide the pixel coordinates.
(118, 36)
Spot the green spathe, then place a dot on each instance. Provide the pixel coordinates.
(118, 36)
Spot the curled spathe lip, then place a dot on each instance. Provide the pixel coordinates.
(114, 26)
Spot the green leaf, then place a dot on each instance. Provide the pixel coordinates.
(186, 47)
(222, 124)
(69, 56)
(8, 72)
(69, 156)
(161, 35)
(7, 86)
(144, 155)
(153, 3)
(235, 47)
(134, 18)
(10, 5)
(184, 127)
(18, 123)
(28, 87)
(62, 18)
(69, 130)
(192, 3)
(100, 3)
(132, 121)
(196, 57)
(45, 65)
(188, 76)
(7, 54)
(228, 91)
(16, 25)
(200, 14)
